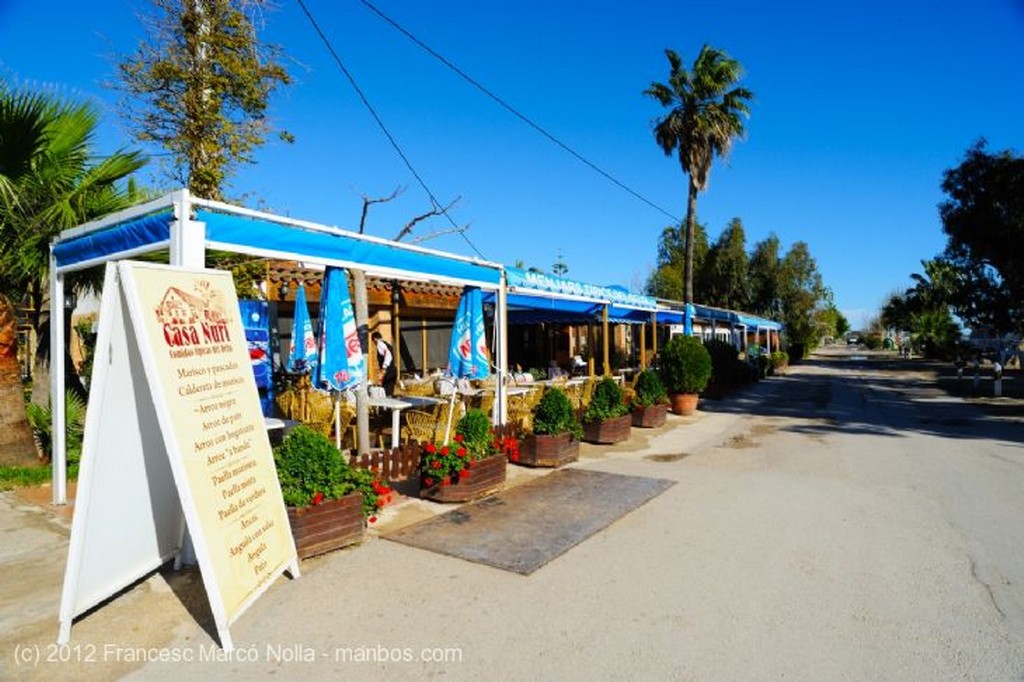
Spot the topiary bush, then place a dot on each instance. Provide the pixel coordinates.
(475, 429)
(606, 402)
(311, 470)
(685, 365)
(723, 361)
(554, 415)
(648, 390)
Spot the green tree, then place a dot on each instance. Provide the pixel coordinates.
(667, 279)
(803, 294)
(200, 87)
(707, 110)
(559, 267)
(724, 275)
(49, 183)
(984, 222)
(765, 278)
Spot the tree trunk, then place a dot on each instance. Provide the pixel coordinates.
(16, 444)
(691, 218)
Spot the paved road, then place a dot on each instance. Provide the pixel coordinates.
(845, 522)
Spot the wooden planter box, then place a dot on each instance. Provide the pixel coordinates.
(328, 526)
(548, 451)
(650, 417)
(607, 430)
(485, 477)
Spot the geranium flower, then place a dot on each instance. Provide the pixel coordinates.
(436, 464)
(428, 481)
(431, 448)
(372, 519)
(458, 437)
(461, 452)
(445, 450)
(464, 474)
(317, 498)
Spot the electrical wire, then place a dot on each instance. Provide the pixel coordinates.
(525, 119)
(380, 123)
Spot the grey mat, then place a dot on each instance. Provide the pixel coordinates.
(524, 528)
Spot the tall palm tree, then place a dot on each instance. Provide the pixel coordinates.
(707, 109)
(48, 182)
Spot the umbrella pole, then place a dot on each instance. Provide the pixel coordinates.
(337, 419)
(451, 411)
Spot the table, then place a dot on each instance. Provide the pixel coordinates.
(396, 406)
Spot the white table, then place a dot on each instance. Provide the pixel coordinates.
(396, 406)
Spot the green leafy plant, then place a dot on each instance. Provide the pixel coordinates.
(553, 415)
(475, 429)
(780, 361)
(23, 477)
(311, 470)
(606, 403)
(724, 358)
(685, 365)
(648, 390)
(41, 420)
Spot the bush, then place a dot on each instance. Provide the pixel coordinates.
(553, 415)
(648, 390)
(606, 402)
(779, 360)
(685, 365)
(311, 470)
(475, 429)
(41, 421)
(723, 361)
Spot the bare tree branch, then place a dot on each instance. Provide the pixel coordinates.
(378, 200)
(438, 233)
(437, 210)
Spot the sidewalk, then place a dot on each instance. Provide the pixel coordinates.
(166, 613)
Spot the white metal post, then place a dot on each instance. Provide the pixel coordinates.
(501, 321)
(58, 425)
(188, 237)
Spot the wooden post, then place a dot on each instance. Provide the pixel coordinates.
(643, 346)
(362, 312)
(396, 329)
(604, 341)
(423, 346)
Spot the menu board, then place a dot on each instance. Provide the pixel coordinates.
(203, 370)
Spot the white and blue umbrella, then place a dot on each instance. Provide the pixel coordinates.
(302, 352)
(468, 357)
(341, 362)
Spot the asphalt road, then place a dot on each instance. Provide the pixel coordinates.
(848, 521)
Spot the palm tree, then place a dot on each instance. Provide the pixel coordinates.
(706, 115)
(48, 183)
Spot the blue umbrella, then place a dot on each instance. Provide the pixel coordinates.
(341, 363)
(467, 353)
(302, 349)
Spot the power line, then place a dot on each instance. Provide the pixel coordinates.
(525, 119)
(394, 143)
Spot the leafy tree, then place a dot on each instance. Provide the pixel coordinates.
(802, 294)
(706, 115)
(765, 278)
(667, 279)
(200, 86)
(559, 267)
(48, 182)
(724, 275)
(983, 219)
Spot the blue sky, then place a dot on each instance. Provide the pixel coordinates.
(859, 108)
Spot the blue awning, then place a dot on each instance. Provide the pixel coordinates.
(153, 230)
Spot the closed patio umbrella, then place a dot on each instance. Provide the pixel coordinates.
(302, 352)
(341, 362)
(468, 357)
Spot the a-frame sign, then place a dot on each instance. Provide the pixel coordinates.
(174, 439)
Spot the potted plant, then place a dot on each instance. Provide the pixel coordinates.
(649, 404)
(556, 432)
(328, 500)
(606, 419)
(780, 361)
(685, 369)
(469, 467)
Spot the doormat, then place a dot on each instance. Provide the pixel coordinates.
(522, 529)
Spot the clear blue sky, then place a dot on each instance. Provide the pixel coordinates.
(859, 108)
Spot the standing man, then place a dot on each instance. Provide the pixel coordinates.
(386, 362)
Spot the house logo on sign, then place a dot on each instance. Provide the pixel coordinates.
(193, 319)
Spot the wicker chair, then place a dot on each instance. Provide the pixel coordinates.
(417, 388)
(420, 426)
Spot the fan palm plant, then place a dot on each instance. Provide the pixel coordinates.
(706, 115)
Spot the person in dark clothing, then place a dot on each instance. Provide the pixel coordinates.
(386, 362)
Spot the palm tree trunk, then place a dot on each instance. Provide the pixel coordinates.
(17, 447)
(691, 218)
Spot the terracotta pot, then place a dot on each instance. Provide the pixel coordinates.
(650, 417)
(485, 477)
(548, 451)
(684, 403)
(607, 431)
(327, 526)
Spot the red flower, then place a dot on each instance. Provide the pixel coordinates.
(464, 473)
(445, 450)
(372, 519)
(431, 448)
(458, 437)
(446, 481)
(436, 464)
(461, 452)
(318, 498)
(428, 481)
(514, 457)
(380, 503)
